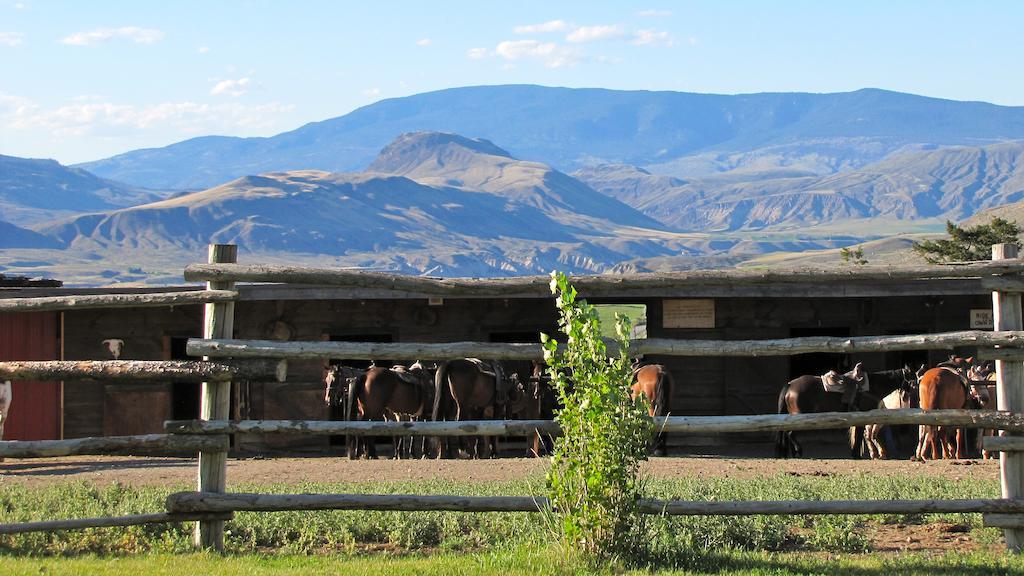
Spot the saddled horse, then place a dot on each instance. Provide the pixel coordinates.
(395, 394)
(946, 387)
(6, 396)
(807, 394)
(464, 389)
(901, 398)
(655, 382)
(530, 398)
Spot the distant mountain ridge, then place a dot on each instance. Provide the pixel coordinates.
(34, 190)
(572, 128)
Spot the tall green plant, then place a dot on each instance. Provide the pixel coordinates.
(594, 481)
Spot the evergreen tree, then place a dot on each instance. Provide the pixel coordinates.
(967, 244)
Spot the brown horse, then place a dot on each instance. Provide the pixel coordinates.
(531, 398)
(465, 390)
(807, 394)
(655, 382)
(6, 395)
(396, 394)
(947, 387)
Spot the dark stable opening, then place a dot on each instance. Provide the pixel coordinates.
(185, 396)
(818, 362)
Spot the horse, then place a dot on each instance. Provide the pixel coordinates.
(903, 397)
(396, 393)
(531, 398)
(655, 382)
(807, 394)
(465, 390)
(946, 387)
(6, 396)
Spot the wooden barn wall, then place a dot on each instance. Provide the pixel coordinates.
(96, 409)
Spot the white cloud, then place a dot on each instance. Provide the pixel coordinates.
(91, 117)
(203, 49)
(592, 33)
(133, 33)
(19, 6)
(551, 54)
(371, 92)
(651, 13)
(476, 53)
(232, 87)
(653, 38)
(10, 39)
(423, 42)
(550, 26)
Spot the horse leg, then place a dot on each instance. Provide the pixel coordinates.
(961, 443)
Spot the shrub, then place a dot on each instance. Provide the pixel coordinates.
(594, 481)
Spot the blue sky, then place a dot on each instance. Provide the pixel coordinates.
(85, 80)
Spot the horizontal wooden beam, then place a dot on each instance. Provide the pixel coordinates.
(648, 346)
(187, 502)
(1004, 354)
(586, 285)
(996, 520)
(113, 445)
(1003, 443)
(673, 424)
(110, 521)
(138, 371)
(81, 302)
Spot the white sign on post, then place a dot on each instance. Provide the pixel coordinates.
(981, 319)
(689, 313)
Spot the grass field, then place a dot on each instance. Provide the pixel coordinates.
(354, 542)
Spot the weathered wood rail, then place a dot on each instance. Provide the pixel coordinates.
(139, 371)
(194, 502)
(651, 346)
(674, 424)
(112, 445)
(111, 521)
(148, 300)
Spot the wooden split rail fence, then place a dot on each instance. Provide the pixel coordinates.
(211, 505)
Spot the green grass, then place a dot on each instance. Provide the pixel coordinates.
(607, 312)
(536, 561)
(359, 532)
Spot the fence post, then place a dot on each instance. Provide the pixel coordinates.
(218, 322)
(1006, 315)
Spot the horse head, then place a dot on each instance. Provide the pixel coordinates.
(332, 387)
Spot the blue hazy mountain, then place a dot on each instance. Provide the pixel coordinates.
(674, 133)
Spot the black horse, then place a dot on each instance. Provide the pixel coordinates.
(806, 394)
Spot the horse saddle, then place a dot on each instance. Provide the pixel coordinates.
(841, 383)
(408, 376)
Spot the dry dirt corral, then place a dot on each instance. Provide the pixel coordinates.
(182, 471)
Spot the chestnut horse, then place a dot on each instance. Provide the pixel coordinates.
(465, 390)
(806, 394)
(6, 395)
(655, 382)
(946, 387)
(396, 394)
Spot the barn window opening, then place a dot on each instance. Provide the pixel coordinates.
(185, 396)
(637, 314)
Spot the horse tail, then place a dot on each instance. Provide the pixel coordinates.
(666, 388)
(349, 413)
(781, 442)
(440, 387)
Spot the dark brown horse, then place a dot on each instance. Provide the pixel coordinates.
(531, 398)
(395, 394)
(806, 394)
(464, 389)
(655, 382)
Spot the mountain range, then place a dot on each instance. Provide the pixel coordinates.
(658, 181)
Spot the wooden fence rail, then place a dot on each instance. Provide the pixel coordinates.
(112, 445)
(110, 521)
(674, 424)
(190, 502)
(138, 371)
(81, 302)
(650, 346)
(591, 285)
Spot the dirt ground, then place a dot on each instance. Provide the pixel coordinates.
(173, 472)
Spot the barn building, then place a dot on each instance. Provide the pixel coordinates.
(709, 309)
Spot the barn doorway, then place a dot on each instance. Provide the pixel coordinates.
(818, 362)
(185, 396)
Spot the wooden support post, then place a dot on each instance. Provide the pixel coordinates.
(1006, 311)
(218, 322)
